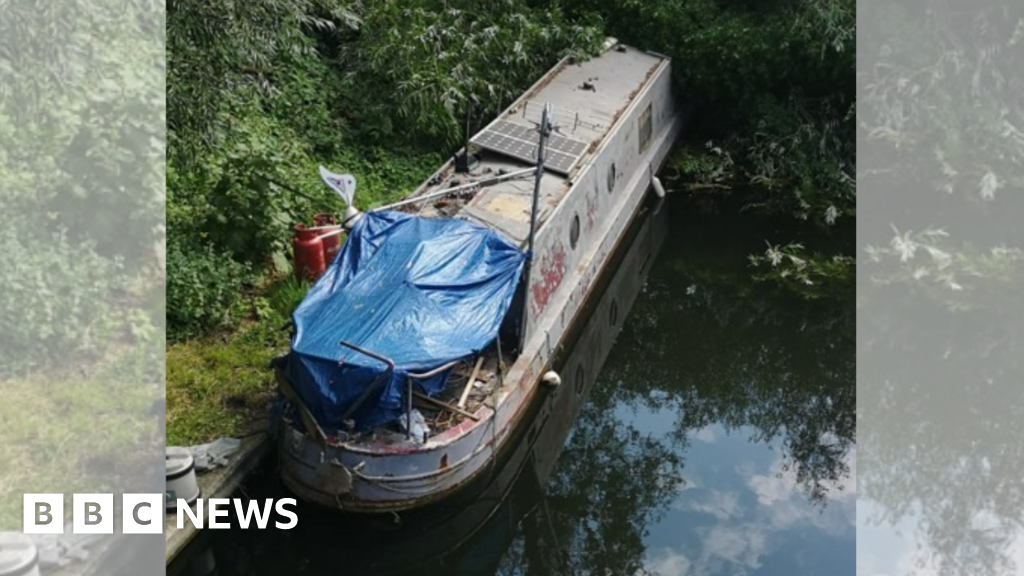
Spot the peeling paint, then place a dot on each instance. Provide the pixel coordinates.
(551, 267)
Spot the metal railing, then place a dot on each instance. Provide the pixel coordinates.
(408, 392)
(376, 384)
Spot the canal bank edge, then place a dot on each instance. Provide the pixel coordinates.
(217, 483)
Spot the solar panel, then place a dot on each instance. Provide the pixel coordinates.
(520, 141)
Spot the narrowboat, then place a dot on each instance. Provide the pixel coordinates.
(471, 532)
(420, 354)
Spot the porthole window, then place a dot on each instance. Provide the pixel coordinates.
(574, 231)
(611, 178)
(579, 380)
(613, 313)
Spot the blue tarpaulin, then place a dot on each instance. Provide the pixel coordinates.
(419, 291)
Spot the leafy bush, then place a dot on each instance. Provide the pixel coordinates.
(261, 94)
(421, 60)
(82, 120)
(54, 304)
(204, 285)
(284, 296)
(81, 177)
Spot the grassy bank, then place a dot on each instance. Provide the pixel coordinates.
(220, 384)
(79, 429)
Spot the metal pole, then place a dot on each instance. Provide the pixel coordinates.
(465, 140)
(545, 131)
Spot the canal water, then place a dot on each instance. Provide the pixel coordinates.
(705, 426)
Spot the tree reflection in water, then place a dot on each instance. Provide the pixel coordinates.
(942, 261)
(705, 342)
(942, 448)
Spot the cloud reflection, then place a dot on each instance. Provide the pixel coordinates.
(753, 517)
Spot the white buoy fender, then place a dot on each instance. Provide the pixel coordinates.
(551, 378)
(659, 190)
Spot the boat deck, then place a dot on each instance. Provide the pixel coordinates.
(485, 384)
(587, 100)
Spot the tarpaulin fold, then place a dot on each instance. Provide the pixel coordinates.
(419, 291)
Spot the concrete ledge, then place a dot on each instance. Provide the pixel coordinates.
(218, 483)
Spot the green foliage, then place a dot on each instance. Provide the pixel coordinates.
(941, 128)
(932, 67)
(711, 169)
(81, 119)
(80, 429)
(54, 304)
(935, 268)
(219, 386)
(260, 94)
(203, 287)
(423, 59)
(284, 296)
(250, 114)
(220, 53)
(81, 177)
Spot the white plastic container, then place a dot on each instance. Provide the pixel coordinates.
(18, 555)
(181, 477)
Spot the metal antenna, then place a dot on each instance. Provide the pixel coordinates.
(545, 131)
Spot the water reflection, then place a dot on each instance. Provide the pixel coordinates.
(942, 473)
(727, 353)
(940, 316)
(718, 438)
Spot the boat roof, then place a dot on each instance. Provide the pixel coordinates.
(587, 98)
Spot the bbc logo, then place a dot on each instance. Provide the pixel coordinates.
(94, 514)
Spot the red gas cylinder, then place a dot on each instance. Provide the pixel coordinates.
(332, 243)
(316, 247)
(309, 253)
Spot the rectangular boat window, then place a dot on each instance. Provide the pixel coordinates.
(645, 129)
